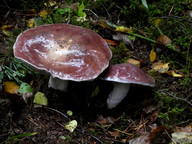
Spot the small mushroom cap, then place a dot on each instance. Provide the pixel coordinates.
(66, 51)
(127, 73)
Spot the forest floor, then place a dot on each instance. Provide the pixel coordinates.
(157, 115)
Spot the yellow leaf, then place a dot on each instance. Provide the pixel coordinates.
(11, 87)
(40, 99)
(50, 3)
(43, 13)
(123, 29)
(156, 22)
(160, 67)
(103, 24)
(7, 27)
(31, 23)
(172, 72)
(152, 55)
(71, 125)
(133, 61)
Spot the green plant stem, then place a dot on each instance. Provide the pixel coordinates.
(159, 30)
(140, 36)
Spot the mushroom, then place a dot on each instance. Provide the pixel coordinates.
(123, 75)
(65, 51)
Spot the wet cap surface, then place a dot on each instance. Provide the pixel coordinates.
(65, 51)
(127, 73)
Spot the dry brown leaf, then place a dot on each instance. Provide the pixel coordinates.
(164, 40)
(105, 121)
(115, 134)
(111, 42)
(186, 129)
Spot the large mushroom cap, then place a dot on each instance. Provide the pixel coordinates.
(66, 51)
(128, 73)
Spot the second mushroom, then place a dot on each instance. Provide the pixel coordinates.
(123, 75)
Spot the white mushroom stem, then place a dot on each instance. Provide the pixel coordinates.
(58, 84)
(117, 94)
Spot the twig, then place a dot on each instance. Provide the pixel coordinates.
(57, 111)
(106, 10)
(92, 12)
(173, 16)
(178, 98)
(90, 136)
(185, 100)
(170, 137)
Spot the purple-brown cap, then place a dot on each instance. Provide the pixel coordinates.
(66, 51)
(127, 73)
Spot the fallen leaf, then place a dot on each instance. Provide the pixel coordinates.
(133, 61)
(111, 42)
(152, 55)
(155, 21)
(11, 87)
(182, 137)
(69, 113)
(40, 99)
(172, 72)
(25, 88)
(188, 128)
(105, 121)
(31, 23)
(26, 91)
(43, 13)
(160, 67)
(71, 125)
(62, 137)
(7, 30)
(103, 24)
(7, 27)
(123, 29)
(164, 40)
(50, 3)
